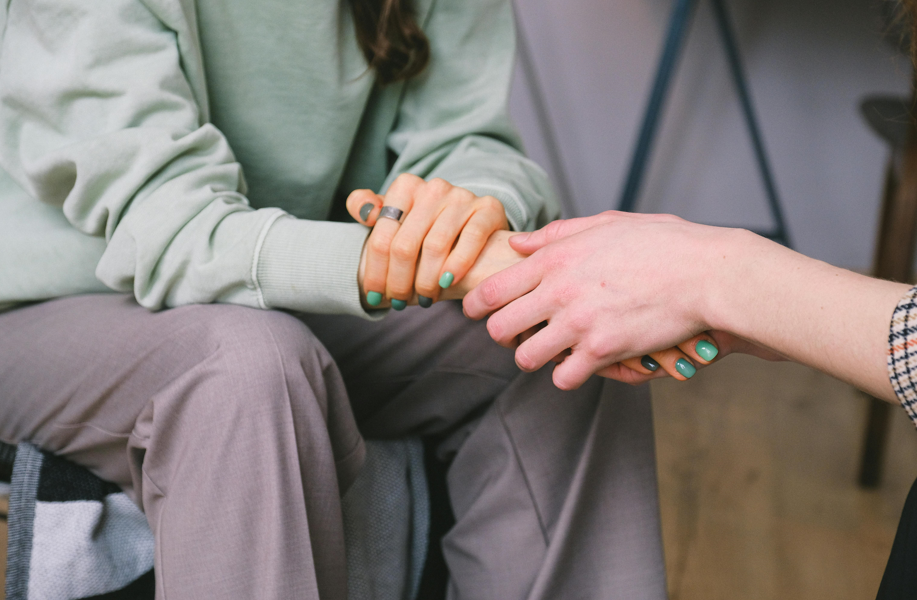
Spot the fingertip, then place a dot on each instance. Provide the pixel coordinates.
(520, 238)
(523, 361)
(685, 368)
(361, 205)
(522, 242)
(706, 350)
(561, 381)
(365, 210)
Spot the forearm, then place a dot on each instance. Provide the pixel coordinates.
(828, 318)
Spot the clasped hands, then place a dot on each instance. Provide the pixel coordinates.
(451, 244)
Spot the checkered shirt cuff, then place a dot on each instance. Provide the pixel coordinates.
(902, 353)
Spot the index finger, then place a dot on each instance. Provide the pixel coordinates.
(502, 288)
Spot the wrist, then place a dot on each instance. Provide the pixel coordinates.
(729, 272)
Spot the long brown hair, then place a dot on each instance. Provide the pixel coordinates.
(390, 38)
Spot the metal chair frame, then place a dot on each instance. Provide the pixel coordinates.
(679, 24)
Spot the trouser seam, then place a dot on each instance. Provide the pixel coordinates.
(528, 485)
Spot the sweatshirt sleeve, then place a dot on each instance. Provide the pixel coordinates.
(103, 113)
(453, 121)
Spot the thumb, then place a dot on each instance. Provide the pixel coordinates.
(364, 206)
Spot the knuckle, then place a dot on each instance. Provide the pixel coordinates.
(490, 292)
(580, 322)
(400, 289)
(491, 204)
(438, 187)
(554, 229)
(598, 349)
(555, 261)
(436, 245)
(379, 245)
(425, 288)
(567, 293)
(405, 182)
(475, 232)
(407, 178)
(404, 250)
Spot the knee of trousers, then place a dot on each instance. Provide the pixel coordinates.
(245, 365)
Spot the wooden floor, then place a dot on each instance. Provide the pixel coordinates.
(757, 467)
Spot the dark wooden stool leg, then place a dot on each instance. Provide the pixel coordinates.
(874, 443)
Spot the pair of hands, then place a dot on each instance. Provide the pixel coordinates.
(428, 255)
(609, 288)
(450, 240)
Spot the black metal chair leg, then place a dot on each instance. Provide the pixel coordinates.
(678, 30)
(682, 13)
(727, 34)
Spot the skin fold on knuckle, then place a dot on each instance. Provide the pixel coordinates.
(491, 207)
(399, 290)
(406, 182)
(379, 244)
(405, 249)
(475, 235)
(490, 292)
(436, 245)
(436, 189)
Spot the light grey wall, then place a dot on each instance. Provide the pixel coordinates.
(809, 63)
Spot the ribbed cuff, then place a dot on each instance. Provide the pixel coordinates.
(902, 353)
(311, 266)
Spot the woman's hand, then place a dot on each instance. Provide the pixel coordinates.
(679, 361)
(442, 233)
(694, 352)
(612, 288)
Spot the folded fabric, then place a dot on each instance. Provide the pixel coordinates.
(73, 536)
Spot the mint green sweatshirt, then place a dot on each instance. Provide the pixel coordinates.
(194, 152)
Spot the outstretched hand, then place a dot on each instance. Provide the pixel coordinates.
(604, 286)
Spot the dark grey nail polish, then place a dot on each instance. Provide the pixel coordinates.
(649, 363)
(365, 210)
(424, 301)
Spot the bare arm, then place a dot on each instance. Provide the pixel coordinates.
(616, 286)
(828, 318)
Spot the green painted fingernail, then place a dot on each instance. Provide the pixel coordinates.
(424, 301)
(373, 298)
(685, 368)
(446, 280)
(649, 364)
(398, 304)
(365, 210)
(706, 350)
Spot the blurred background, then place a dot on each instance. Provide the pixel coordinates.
(808, 62)
(758, 462)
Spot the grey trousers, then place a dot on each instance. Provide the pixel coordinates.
(237, 430)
